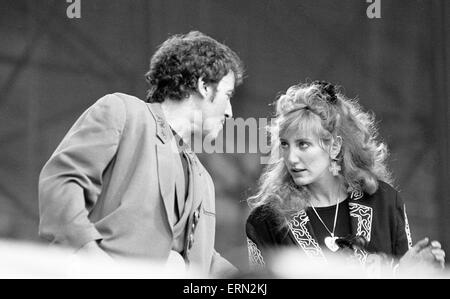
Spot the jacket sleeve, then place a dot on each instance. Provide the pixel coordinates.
(71, 181)
(403, 239)
(254, 246)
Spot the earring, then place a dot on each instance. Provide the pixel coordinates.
(334, 168)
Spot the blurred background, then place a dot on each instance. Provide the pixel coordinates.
(52, 68)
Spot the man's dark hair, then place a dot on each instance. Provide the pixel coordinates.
(182, 59)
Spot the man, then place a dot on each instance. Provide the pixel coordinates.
(120, 185)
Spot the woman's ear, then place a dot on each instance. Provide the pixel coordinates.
(203, 88)
(336, 146)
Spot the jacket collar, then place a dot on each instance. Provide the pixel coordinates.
(165, 158)
(162, 127)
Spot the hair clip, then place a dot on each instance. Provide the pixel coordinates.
(329, 89)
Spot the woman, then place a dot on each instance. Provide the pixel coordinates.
(328, 189)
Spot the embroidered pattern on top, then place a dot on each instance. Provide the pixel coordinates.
(408, 232)
(356, 193)
(364, 216)
(256, 260)
(297, 226)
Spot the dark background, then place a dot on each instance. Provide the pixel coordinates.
(52, 68)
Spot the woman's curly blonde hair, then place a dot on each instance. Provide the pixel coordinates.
(318, 108)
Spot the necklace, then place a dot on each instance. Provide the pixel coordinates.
(330, 242)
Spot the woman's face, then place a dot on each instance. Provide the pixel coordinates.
(306, 161)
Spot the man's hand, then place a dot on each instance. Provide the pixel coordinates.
(92, 250)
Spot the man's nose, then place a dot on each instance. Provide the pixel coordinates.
(228, 111)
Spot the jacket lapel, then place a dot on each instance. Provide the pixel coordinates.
(196, 177)
(165, 158)
(361, 217)
(301, 230)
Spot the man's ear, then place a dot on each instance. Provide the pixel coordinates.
(203, 88)
(336, 146)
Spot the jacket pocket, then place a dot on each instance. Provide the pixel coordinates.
(209, 213)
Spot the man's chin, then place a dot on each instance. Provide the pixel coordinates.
(212, 133)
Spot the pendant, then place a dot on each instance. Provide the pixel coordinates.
(330, 242)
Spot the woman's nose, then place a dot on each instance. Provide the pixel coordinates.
(293, 156)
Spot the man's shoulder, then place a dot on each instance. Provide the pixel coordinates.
(119, 100)
(127, 99)
(125, 109)
(132, 105)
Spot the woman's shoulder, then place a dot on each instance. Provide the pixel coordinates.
(266, 225)
(385, 189)
(262, 213)
(385, 196)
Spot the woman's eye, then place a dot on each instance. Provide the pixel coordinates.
(303, 145)
(284, 144)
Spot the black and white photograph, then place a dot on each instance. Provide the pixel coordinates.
(219, 141)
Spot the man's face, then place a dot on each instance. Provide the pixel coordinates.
(217, 107)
